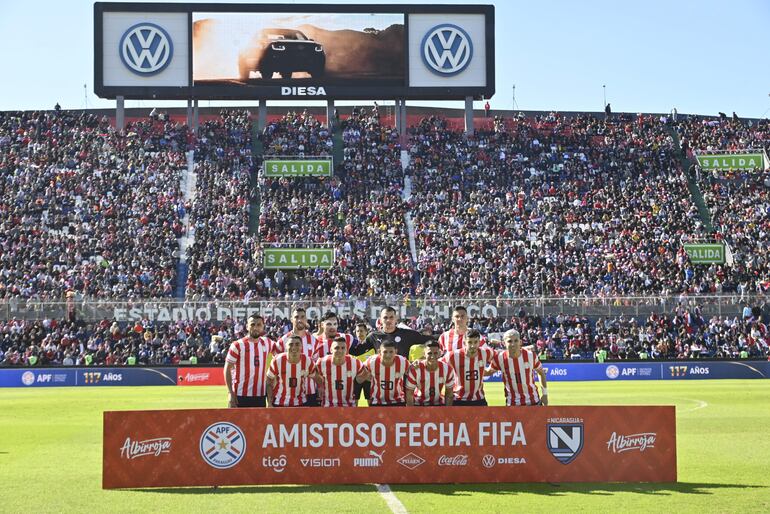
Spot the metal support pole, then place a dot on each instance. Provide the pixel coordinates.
(195, 120)
(189, 114)
(262, 115)
(468, 115)
(120, 112)
(330, 121)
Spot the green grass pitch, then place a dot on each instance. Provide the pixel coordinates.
(50, 457)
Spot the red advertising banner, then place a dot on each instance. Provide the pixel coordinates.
(388, 445)
(201, 376)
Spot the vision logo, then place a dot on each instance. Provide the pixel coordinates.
(146, 49)
(222, 445)
(565, 441)
(447, 50)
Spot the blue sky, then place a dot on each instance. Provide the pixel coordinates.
(698, 56)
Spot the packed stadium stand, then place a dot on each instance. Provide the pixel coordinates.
(537, 206)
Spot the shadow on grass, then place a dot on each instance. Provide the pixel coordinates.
(594, 489)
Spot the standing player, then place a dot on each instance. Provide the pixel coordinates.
(362, 330)
(246, 364)
(428, 379)
(453, 338)
(517, 365)
(323, 344)
(339, 372)
(469, 365)
(288, 376)
(299, 327)
(388, 371)
(402, 338)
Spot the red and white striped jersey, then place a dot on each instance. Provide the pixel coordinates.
(429, 385)
(518, 376)
(469, 372)
(308, 348)
(290, 379)
(339, 380)
(249, 359)
(323, 345)
(387, 381)
(451, 340)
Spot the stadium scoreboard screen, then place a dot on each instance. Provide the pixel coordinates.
(282, 51)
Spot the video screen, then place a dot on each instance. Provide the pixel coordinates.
(257, 49)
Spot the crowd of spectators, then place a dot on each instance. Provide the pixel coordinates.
(551, 206)
(683, 334)
(86, 209)
(222, 261)
(359, 212)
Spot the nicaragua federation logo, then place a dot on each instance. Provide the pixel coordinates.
(146, 49)
(446, 49)
(222, 445)
(565, 440)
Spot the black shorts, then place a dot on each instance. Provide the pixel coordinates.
(252, 401)
(365, 387)
(470, 403)
(399, 404)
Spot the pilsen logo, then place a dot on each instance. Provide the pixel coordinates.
(624, 443)
(133, 449)
(411, 461)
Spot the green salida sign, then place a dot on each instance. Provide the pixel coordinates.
(705, 253)
(311, 168)
(294, 258)
(736, 161)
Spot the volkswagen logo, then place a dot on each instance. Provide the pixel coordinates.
(447, 50)
(146, 49)
(488, 461)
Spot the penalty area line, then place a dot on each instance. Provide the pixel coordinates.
(394, 504)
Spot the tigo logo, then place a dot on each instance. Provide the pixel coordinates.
(146, 49)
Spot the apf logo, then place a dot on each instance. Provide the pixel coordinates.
(446, 50)
(222, 445)
(565, 440)
(146, 49)
(28, 378)
(612, 372)
(488, 461)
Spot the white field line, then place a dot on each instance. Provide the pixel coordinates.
(394, 504)
(700, 405)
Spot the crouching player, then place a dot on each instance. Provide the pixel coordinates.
(289, 374)
(387, 376)
(429, 381)
(339, 372)
(518, 366)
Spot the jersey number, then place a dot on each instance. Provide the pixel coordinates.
(339, 385)
(472, 374)
(432, 392)
(386, 384)
(292, 382)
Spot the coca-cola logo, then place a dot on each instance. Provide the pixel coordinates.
(457, 460)
(133, 449)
